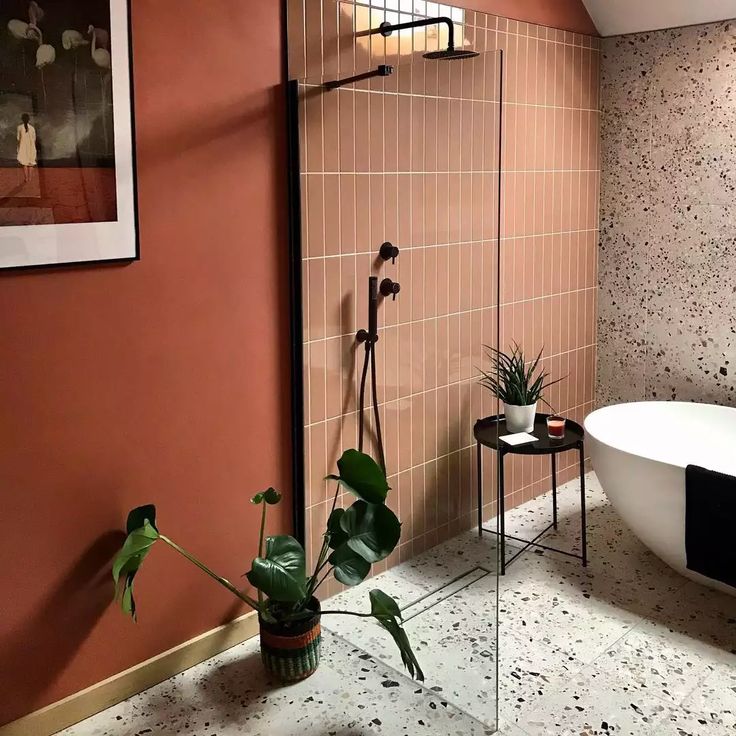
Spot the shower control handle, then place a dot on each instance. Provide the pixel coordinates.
(389, 252)
(390, 288)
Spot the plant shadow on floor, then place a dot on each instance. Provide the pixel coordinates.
(239, 692)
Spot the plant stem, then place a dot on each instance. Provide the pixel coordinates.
(346, 613)
(324, 577)
(260, 544)
(321, 558)
(321, 562)
(223, 581)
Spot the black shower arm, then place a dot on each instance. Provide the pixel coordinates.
(386, 29)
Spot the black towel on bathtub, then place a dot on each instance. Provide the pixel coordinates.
(710, 523)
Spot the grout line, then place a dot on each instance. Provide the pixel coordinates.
(424, 96)
(464, 449)
(486, 242)
(471, 311)
(456, 172)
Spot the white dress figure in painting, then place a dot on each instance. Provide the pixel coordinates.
(27, 147)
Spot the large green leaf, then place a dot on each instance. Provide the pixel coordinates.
(138, 516)
(362, 476)
(386, 611)
(350, 568)
(281, 575)
(130, 558)
(338, 537)
(373, 530)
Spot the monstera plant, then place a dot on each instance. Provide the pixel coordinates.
(288, 610)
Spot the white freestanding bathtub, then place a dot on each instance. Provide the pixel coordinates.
(640, 452)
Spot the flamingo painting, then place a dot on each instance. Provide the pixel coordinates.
(45, 55)
(100, 55)
(73, 40)
(35, 13)
(103, 37)
(21, 31)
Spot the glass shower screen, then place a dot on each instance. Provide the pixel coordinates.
(398, 179)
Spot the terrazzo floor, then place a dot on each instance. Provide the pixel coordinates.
(625, 647)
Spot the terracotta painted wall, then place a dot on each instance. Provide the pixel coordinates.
(164, 381)
(569, 15)
(413, 162)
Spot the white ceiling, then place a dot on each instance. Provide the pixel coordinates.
(614, 17)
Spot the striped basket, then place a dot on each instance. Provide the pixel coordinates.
(291, 653)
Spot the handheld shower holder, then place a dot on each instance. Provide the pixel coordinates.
(362, 336)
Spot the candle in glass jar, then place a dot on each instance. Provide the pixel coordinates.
(556, 427)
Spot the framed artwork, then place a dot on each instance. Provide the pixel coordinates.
(67, 154)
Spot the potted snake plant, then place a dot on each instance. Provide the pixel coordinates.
(289, 612)
(518, 385)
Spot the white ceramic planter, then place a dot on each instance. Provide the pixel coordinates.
(520, 418)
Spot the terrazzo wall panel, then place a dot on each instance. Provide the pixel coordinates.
(417, 165)
(667, 316)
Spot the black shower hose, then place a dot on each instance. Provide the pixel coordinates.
(370, 357)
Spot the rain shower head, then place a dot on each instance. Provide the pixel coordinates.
(448, 54)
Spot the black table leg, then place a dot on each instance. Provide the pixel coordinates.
(480, 491)
(554, 490)
(502, 511)
(582, 505)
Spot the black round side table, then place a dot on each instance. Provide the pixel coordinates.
(487, 433)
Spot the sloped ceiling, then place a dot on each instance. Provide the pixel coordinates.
(615, 17)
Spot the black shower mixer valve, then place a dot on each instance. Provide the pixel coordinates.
(390, 288)
(389, 252)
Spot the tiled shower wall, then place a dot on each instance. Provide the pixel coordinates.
(411, 164)
(668, 307)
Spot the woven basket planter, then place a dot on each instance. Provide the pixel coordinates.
(291, 652)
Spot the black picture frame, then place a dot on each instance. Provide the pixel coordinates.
(122, 37)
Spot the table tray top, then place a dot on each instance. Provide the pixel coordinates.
(488, 430)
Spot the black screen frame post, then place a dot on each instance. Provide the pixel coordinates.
(296, 318)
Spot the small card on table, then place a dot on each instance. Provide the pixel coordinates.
(522, 438)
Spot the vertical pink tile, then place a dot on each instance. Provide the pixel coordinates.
(347, 213)
(405, 131)
(333, 301)
(296, 39)
(429, 140)
(346, 40)
(431, 205)
(416, 347)
(362, 132)
(418, 210)
(404, 235)
(362, 214)
(316, 287)
(417, 134)
(331, 216)
(377, 213)
(375, 105)
(313, 23)
(331, 131)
